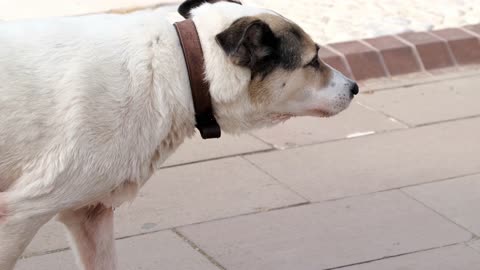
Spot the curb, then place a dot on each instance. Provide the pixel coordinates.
(395, 55)
(407, 53)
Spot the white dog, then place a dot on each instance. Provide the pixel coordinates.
(90, 106)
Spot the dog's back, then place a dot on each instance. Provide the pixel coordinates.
(83, 109)
(64, 83)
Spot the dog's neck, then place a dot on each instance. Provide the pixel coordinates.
(229, 83)
(194, 59)
(227, 80)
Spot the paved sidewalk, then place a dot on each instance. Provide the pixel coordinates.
(393, 183)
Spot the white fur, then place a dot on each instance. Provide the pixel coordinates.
(326, 101)
(86, 103)
(91, 106)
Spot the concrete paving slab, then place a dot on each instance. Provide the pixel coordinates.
(163, 250)
(380, 162)
(187, 195)
(457, 199)
(202, 192)
(197, 149)
(414, 79)
(475, 245)
(326, 235)
(51, 237)
(458, 257)
(428, 103)
(355, 121)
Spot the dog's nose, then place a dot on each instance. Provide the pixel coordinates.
(354, 90)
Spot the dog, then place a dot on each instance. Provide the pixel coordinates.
(91, 106)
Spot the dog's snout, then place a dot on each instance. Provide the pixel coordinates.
(354, 90)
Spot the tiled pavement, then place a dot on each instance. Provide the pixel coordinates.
(393, 183)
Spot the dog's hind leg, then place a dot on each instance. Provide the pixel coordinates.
(3, 207)
(17, 228)
(35, 198)
(91, 235)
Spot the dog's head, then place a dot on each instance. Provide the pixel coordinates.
(263, 68)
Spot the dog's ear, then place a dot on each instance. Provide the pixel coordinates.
(187, 6)
(248, 42)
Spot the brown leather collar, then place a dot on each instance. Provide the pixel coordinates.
(202, 100)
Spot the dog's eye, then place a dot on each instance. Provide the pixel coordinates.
(314, 63)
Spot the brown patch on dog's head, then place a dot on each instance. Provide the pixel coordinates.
(264, 43)
(278, 52)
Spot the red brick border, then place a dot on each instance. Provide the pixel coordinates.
(405, 53)
(395, 55)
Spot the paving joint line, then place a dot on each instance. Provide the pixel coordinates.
(396, 188)
(199, 250)
(272, 146)
(449, 48)
(215, 220)
(469, 245)
(447, 121)
(379, 133)
(299, 146)
(473, 235)
(342, 57)
(380, 56)
(306, 200)
(300, 205)
(219, 158)
(241, 215)
(412, 46)
(470, 32)
(295, 205)
(406, 127)
(431, 78)
(393, 256)
(48, 252)
(405, 124)
(274, 149)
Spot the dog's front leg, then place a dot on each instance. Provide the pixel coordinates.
(91, 235)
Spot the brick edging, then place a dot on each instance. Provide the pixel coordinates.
(405, 53)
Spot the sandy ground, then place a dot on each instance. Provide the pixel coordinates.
(333, 21)
(326, 20)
